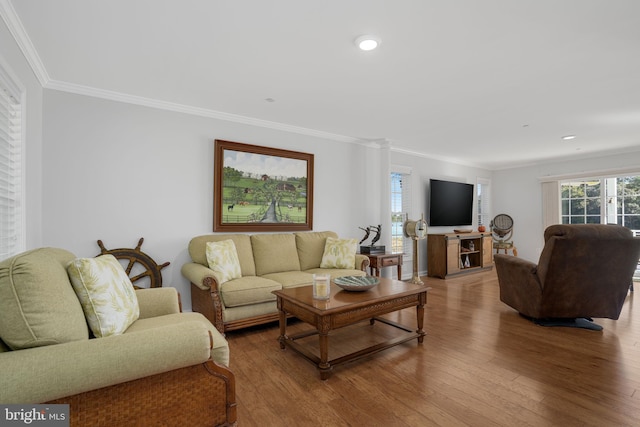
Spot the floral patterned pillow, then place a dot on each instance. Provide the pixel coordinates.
(106, 294)
(339, 253)
(222, 258)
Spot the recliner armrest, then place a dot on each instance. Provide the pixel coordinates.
(520, 286)
(41, 374)
(515, 262)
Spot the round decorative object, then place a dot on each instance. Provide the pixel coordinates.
(145, 266)
(482, 228)
(415, 229)
(356, 283)
(502, 224)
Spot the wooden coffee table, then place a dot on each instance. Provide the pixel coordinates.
(346, 308)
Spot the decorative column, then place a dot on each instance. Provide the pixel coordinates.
(384, 184)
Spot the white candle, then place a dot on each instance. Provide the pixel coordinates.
(321, 288)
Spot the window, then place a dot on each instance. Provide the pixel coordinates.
(612, 200)
(484, 201)
(11, 206)
(581, 202)
(626, 200)
(400, 210)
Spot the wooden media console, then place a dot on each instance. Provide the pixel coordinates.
(451, 254)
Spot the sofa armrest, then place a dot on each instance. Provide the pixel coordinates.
(156, 302)
(201, 276)
(362, 262)
(42, 374)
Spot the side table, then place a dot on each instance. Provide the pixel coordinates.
(378, 261)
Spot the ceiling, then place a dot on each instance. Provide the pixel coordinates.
(492, 83)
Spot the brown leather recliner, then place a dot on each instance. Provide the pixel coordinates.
(584, 271)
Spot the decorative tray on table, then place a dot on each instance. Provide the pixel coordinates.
(356, 283)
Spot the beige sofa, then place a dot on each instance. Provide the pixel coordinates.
(167, 368)
(268, 262)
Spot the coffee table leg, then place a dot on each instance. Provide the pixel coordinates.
(420, 314)
(324, 366)
(283, 325)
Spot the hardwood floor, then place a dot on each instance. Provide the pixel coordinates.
(481, 364)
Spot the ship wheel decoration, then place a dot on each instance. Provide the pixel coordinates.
(145, 266)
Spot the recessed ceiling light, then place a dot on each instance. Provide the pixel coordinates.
(368, 42)
(568, 137)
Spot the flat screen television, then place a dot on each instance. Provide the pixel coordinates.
(450, 203)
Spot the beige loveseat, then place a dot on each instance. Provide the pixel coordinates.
(167, 368)
(268, 262)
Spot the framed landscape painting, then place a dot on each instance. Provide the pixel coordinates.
(261, 188)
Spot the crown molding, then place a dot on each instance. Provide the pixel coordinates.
(14, 24)
(196, 111)
(424, 155)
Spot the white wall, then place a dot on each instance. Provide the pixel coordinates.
(12, 58)
(517, 192)
(117, 172)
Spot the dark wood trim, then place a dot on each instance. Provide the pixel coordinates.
(220, 226)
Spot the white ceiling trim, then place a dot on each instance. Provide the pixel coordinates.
(600, 173)
(196, 111)
(219, 115)
(439, 158)
(13, 22)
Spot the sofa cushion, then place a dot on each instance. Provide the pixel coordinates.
(248, 290)
(310, 246)
(336, 272)
(106, 294)
(220, 348)
(291, 279)
(339, 253)
(274, 253)
(37, 303)
(198, 250)
(222, 258)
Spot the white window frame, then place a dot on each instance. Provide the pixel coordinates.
(12, 197)
(483, 209)
(608, 197)
(405, 212)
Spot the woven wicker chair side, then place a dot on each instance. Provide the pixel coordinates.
(198, 395)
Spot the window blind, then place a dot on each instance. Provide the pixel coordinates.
(11, 241)
(484, 202)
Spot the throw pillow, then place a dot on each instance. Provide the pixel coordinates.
(105, 293)
(222, 258)
(339, 253)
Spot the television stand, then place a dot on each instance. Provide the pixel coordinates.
(452, 254)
